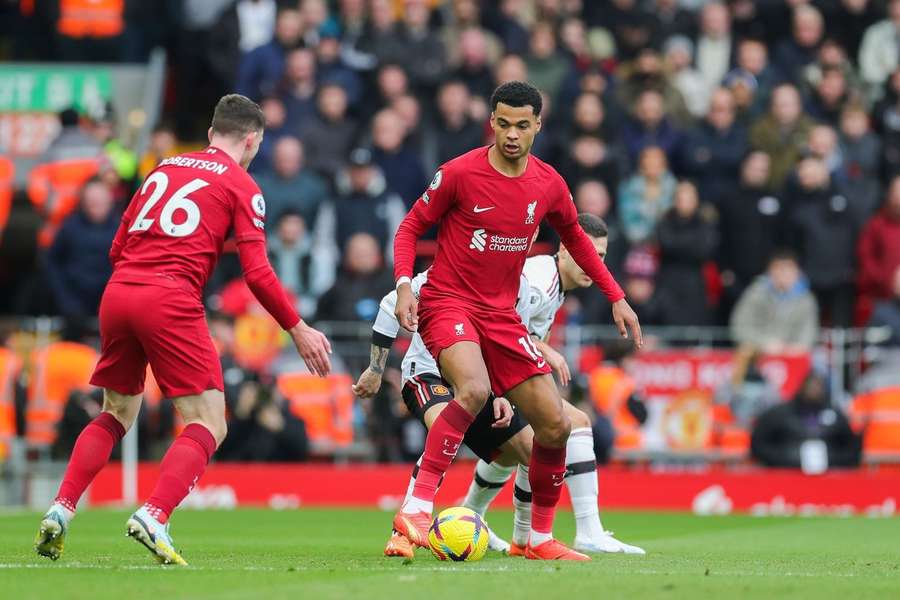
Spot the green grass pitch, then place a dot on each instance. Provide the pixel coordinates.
(318, 553)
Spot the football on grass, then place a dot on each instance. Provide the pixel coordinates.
(458, 534)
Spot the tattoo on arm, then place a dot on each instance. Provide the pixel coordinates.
(378, 358)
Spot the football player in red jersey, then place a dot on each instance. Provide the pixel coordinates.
(487, 204)
(170, 239)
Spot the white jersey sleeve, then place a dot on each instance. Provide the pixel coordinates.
(385, 322)
(545, 294)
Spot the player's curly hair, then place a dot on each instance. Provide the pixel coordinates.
(516, 94)
(593, 225)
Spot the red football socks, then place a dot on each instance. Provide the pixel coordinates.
(546, 473)
(441, 446)
(180, 469)
(91, 452)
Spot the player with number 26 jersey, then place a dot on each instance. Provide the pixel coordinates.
(170, 239)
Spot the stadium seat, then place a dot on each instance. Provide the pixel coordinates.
(54, 189)
(7, 179)
(9, 370)
(325, 405)
(877, 415)
(56, 371)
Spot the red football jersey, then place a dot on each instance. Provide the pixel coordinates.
(173, 231)
(486, 224)
(178, 220)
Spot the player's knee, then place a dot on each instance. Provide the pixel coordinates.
(218, 427)
(579, 419)
(554, 433)
(473, 395)
(123, 408)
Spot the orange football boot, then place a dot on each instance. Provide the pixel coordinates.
(516, 550)
(414, 526)
(398, 545)
(553, 550)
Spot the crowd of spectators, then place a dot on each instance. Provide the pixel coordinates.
(709, 135)
(745, 154)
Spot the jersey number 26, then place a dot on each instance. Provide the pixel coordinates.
(177, 201)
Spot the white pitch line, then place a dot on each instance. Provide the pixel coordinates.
(402, 571)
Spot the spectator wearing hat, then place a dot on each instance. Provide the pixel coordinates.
(650, 303)
(73, 141)
(363, 204)
(690, 82)
(808, 432)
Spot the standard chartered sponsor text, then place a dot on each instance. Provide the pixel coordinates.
(501, 243)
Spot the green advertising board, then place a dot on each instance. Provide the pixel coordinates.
(52, 88)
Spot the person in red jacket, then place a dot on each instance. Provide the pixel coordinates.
(879, 250)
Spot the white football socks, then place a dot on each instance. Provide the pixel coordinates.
(581, 479)
(487, 481)
(522, 504)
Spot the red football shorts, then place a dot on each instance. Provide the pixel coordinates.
(163, 325)
(508, 351)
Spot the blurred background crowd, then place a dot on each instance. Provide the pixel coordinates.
(744, 154)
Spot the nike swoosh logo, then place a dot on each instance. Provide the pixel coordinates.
(485, 209)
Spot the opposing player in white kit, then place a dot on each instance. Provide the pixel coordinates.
(503, 441)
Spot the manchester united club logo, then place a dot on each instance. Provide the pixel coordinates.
(439, 390)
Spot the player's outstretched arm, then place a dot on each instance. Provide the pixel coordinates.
(564, 219)
(311, 344)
